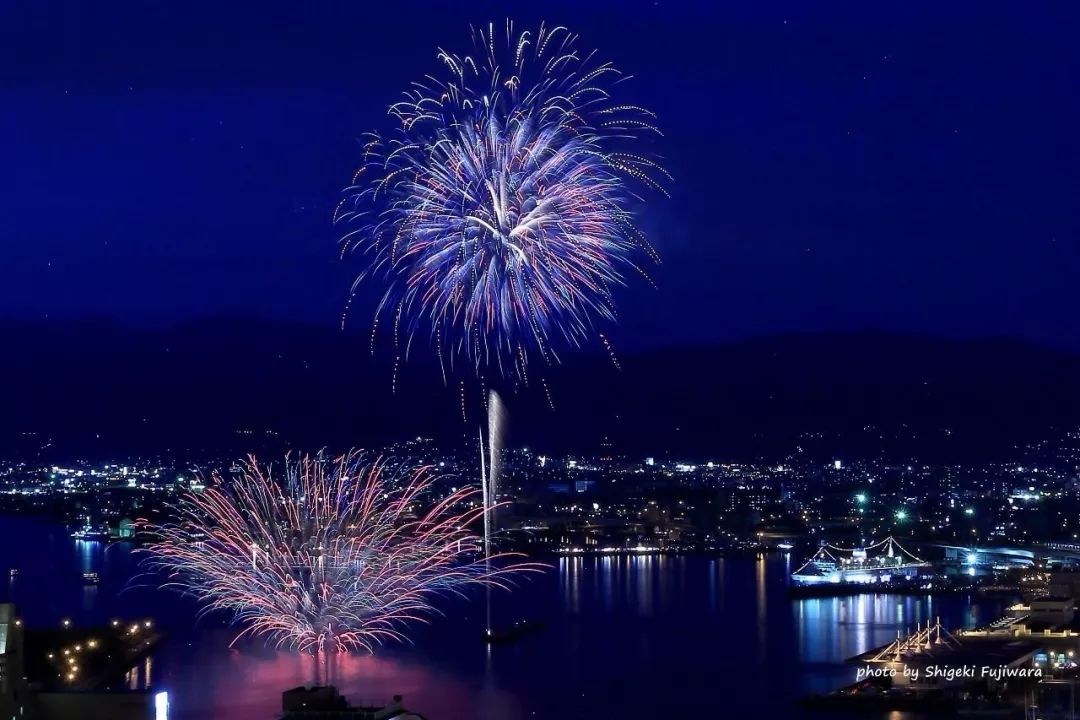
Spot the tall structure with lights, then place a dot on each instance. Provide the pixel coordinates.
(12, 681)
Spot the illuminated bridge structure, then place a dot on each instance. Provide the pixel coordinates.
(883, 562)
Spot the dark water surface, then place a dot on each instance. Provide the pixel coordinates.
(625, 637)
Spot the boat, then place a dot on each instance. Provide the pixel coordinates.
(91, 578)
(91, 533)
(513, 633)
(881, 564)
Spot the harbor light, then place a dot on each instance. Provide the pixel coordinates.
(861, 498)
(66, 622)
(901, 515)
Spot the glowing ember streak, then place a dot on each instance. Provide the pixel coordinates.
(499, 213)
(327, 555)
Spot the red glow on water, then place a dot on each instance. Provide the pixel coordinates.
(248, 684)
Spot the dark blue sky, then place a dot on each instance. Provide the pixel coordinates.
(901, 166)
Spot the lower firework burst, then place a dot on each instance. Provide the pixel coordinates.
(327, 555)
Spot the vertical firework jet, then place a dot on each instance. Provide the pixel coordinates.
(327, 555)
(498, 214)
(489, 479)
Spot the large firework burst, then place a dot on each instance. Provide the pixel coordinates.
(333, 555)
(499, 213)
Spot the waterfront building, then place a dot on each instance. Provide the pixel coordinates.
(932, 659)
(989, 557)
(12, 674)
(324, 701)
(1051, 621)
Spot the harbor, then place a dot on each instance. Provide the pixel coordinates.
(615, 604)
(73, 672)
(1022, 664)
(887, 565)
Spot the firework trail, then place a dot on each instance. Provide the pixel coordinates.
(498, 215)
(327, 555)
(496, 426)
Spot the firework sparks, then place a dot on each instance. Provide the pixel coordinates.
(499, 215)
(327, 555)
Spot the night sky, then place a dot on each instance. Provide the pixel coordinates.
(898, 166)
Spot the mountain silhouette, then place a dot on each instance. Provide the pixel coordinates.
(93, 386)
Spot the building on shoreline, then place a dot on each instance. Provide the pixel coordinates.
(13, 692)
(63, 674)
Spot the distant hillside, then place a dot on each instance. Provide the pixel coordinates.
(118, 388)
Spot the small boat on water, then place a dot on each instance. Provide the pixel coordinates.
(91, 533)
(513, 633)
(91, 578)
(13, 573)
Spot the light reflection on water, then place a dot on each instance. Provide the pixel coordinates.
(625, 636)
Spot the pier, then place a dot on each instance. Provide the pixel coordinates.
(88, 659)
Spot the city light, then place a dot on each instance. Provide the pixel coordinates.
(642, 525)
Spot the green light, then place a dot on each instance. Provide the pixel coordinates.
(861, 498)
(901, 515)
